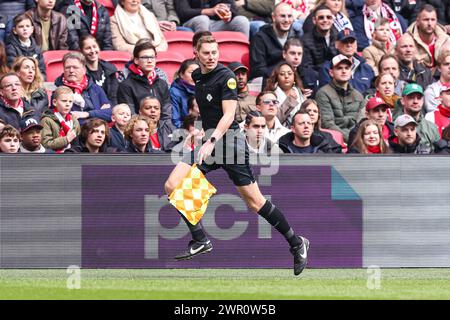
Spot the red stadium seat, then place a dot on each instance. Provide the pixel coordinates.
(169, 62)
(54, 63)
(338, 137)
(233, 46)
(118, 58)
(180, 42)
(108, 4)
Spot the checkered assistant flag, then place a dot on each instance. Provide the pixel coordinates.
(192, 195)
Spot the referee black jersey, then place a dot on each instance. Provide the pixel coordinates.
(210, 90)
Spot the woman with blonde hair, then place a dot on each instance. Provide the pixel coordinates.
(27, 69)
(132, 21)
(288, 87)
(369, 139)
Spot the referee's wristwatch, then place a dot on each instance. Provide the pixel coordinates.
(212, 140)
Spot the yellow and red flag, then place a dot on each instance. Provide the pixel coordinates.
(192, 195)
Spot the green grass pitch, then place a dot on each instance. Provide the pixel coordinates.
(226, 284)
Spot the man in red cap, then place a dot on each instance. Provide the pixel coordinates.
(376, 109)
(441, 116)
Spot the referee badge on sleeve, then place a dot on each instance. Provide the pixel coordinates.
(231, 83)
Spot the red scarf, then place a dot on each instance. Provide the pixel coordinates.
(137, 70)
(373, 149)
(155, 141)
(64, 127)
(94, 23)
(386, 133)
(441, 118)
(77, 87)
(19, 105)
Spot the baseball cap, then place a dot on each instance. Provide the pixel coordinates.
(374, 102)
(27, 124)
(403, 120)
(412, 88)
(445, 87)
(233, 66)
(338, 59)
(346, 34)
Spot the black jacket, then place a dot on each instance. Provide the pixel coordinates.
(73, 14)
(419, 74)
(315, 49)
(111, 82)
(354, 130)
(12, 117)
(79, 146)
(15, 49)
(165, 131)
(39, 102)
(188, 9)
(135, 87)
(415, 148)
(131, 148)
(318, 141)
(265, 52)
(442, 147)
(410, 11)
(13, 8)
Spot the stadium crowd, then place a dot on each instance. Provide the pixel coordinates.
(326, 76)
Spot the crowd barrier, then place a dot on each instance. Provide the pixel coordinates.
(109, 211)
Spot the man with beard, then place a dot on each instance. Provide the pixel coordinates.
(246, 102)
(406, 139)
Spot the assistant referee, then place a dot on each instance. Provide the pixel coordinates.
(226, 148)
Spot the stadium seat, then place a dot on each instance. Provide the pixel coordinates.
(118, 58)
(108, 4)
(338, 137)
(233, 46)
(180, 42)
(169, 62)
(54, 63)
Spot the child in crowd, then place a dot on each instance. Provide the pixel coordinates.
(9, 139)
(121, 115)
(381, 44)
(60, 128)
(22, 43)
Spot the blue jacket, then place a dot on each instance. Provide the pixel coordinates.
(116, 139)
(179, 95)
(94, 97)
(13, 117)
(362, 77)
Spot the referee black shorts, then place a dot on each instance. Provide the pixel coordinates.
(230, 153)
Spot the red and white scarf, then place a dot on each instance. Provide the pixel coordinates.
(370, 17)
(19, 107)
(137, 70)
(301, 7)
(66, 125)
(94, 23)
(441, 118)
(77, 87)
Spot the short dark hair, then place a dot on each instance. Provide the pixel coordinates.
(426, 7)
(198, 35)
(263, 93)
(321, 7)
(204, 39)
(146, 45)
(21, 17)
(84, 37)
(8, 74)
(292, 42)
(252, 114)
(188, 121)
(9, 131)
(297, 113)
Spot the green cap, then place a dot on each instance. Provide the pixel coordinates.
(411, 88)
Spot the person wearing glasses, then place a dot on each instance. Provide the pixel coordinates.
(13, 107)
(90, 101)
(143, 81)
(319, 44)
(216, 94)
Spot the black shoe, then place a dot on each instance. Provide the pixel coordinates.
(300, 253)
(194, 249)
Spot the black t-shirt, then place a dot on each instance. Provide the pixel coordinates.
(88, 12)
(98, 76)
(210, 90)
(296, 149)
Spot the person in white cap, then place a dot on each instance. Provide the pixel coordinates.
(406, 139)
(339, 101)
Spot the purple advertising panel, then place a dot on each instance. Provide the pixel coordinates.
(127, 221)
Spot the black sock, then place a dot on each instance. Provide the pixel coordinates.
(276, 218)
(196, 230)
